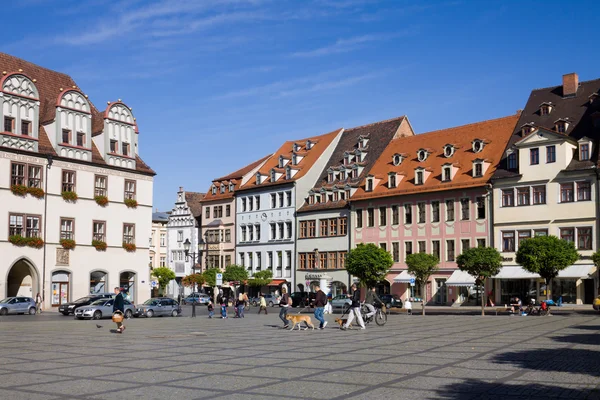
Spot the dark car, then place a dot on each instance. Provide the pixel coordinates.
(69, 308)
(391, 300)
(303, 299)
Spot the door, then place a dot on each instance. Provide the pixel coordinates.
(13, 306)
(23, 304)
(588, 291)
(440, 297)
(107, 309)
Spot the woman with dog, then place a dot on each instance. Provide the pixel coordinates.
(354, 309)
(284, 305)
(320, 302)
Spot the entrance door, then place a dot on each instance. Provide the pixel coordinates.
(60, 288)
(440, 297)
(588, 291)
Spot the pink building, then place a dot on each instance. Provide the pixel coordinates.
(430, 193)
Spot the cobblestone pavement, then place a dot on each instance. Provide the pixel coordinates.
(411, 357)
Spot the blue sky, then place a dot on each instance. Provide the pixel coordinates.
(217, 84)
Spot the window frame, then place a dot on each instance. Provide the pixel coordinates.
(99, 191)
(511, 248)
(550, 154)
(534, 156)
(505, 196)
(95, 235)
(408, 214)
(66, 186)
(370, 217)
(522, 190)
(11, 121)
(383, 216)
(359, 218)
(535, 190)
(127, 194)
(126, 224)
(450, 211)
(465, 212)
(564, 192)
(69, 235)
(590, 237)
(587, 193)
(24, 226)
(69, 134)
(450, 253)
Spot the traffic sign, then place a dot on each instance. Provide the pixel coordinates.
(219, 279)
(154, 284)
(412, 281)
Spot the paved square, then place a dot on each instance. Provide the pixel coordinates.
(411, 357)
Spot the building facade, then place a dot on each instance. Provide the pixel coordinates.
(323, 220)
(429, 193)
(547, 184)
(158, 240)
(266, 206)
(77, 196)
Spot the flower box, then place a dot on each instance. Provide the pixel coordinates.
(68, 244)
(36, 192)
(131, 203)
(99, 245)
(19, 190)
(21, 241)
(69, 196)
(130, 247)
(102, 201)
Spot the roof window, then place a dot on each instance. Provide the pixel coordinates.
(448, 150)
(214, 189)
(273, 176)
(446, 173)
(546, 108)
(561, 125)
(396, 159)
(231, 187)
(527, 129)
(309, 144)
(422, 155)
(477, 145)
(369, 187)
(222, 188)
(392, 184)
(419, 177)
(477, 169)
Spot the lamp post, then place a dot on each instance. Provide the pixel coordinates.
(196, 258)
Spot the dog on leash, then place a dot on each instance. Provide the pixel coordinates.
(297, 319)
(341, 321)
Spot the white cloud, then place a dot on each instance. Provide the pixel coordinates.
(346, 45)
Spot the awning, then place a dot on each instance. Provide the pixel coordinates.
(277, 282)
(403, 277)
(460, 278)
(574, 271)
(577, 271)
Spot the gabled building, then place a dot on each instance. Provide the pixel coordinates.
(76, 196)
(184, 224)
(158, 239)
(218, 211)
(323, 220)
(266, 205)
(429, 193)
(547, 184)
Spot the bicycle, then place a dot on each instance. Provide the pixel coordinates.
(380, 316)
(543, 309)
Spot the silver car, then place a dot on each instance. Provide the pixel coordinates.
(341, 301)
(102, 308)
(160, 306)
(17, 305)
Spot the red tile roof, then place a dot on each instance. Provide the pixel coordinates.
(235, 178)
(495, 135)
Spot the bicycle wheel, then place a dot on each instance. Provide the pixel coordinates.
(380, 318)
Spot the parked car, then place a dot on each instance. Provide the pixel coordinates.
(69, 308)
(102, 308)
(303, 299)
(199, 298)
(271, 300)
(391, 300)
(158, 306)
(17, 305)
(341, 301)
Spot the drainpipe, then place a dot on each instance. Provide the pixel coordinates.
(490, 196)
(48, 166)
(597, 288)
(349, 206)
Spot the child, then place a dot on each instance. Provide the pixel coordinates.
(224, 302)
(263, 304)
(211, 309)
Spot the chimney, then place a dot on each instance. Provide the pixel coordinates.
(181, 188)
(570, 84)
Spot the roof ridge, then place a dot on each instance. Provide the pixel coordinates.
(312, 137)
(557, 86)
(378, 122)
(470, 124)
(186, 192)
(37, 66)
(239, 171)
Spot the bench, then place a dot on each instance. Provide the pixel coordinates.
(502, 309)
(401, 310)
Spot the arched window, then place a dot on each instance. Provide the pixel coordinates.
(20, 107)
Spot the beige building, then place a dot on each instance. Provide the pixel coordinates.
(158, 240)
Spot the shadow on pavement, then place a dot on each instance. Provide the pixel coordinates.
(584, 338)
(575, 361)
(587, 327)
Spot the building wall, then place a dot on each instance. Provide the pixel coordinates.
(210, 222)
(157, 251)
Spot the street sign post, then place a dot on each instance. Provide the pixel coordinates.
(154, 284)
(219, 279)
(412, 281)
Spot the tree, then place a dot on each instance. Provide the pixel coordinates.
(193, 280)
(163, 275)
(422, 265)
(261, 278)
(546, 256)
(369, 263)
(210, 278)
(482, 263)
(235, 273)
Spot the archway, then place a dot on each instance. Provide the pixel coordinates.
(338, 288)
(98, 281)
(127, 282)
(22, 279)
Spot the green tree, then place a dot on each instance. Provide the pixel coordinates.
(596, 258)
(369, 263)
(235, 273)
(163, 275)
(546, 256)
(261, 278)
(482, 263)
(422, 265)
(194, 281)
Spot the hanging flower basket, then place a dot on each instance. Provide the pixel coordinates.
(131, 203)
(102, 201)
(69, 196)
(18, 240)
(130, 247)
(99, 245)
(35, 242)
(36, 192)
(19, 190)
(68, 244)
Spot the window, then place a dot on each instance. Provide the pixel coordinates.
(465, 212)
(512, 162)
(207, 212)
(34, 176)
(163, 240)
(280, 195)
(9, 124)
(419, 178)
(435, 248)
(508, 241)
(244, 206)
(228, 235)
(392, 181)
(448, 150)
(99, 230)
(550, 154)
(450, 250)
(257, 202)
(17, 174)
(279, 259)
(66, 228)
(243, 234)
(163, 261)
(129, 233)
(15, 225)
(478, 173)
(288, 230)
(302, 261)
(396, 251)
(584, 238)
(449, 210)
(481, 242)
(369, 185)
(113, 147)
(408, 214)
(270, 259)
(534, 156)
(228, 210)
(396, 159)
(333, 227)
(421, 212)
(66, 136)
(540, 232)
(584, 191)
(251, 233)
(523, 235)
(422, 246)
(218, 211)
(383, 246)
(100, 185)
(310, 259)
(228, 260)
(242, 258)
(25, 128)
(584, 152)
(465, 244)
(382, 216)
(323, 226)
(446, 174)
(312, 229)
(477, 145)
(68, 181)
(130, 190)
(395, 215)
(257, 232)
(332, 260)
(539, 194)
(359, 218)
(288, 198)
(435, 211)
(370, 217)
(523, 196)
(273, 200)
(508, 197)
(342, 259)
(567, 234)
(250, 203)
(566, 192)
(343, 226)
(408, 250)
(273, 231)
(480, 207)
(303, 227)
(180, 236)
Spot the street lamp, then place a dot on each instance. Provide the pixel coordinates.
(196, 258)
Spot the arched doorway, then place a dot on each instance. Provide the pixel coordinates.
(338, 288)
(22, 280)
(60, 288)
(98, 282)
(127, 282)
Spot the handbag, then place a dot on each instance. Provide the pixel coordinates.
(117, 317)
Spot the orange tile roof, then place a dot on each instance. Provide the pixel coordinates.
(286, 150)
(494, 133)
(235, 178)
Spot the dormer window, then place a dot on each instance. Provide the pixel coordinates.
(527, 129)
(309, 145)
(422, 155)
(296, 147)
(418, 177)
(362, 142)
(584, 152)
(593, 97)
(273, 176)
(258, 178)
(561, 126)
(288, 173)
(512, 161)
(546, 108)
(477, 169)
(231, 187)
(369, 187)
(214, 189)
(446, 173)
(448, 150)
(222, 188)
(294, 159)
(392, 180)
(477, 145)
(311, 199)
(396, 159)
(330, 177)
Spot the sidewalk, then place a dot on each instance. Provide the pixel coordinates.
(476, 310)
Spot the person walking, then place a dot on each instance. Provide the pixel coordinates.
(263, 304)
(119, 307)
(370, 299)
(224, 304)
(240, 305)
(320, 302)
(284, 305)
(354, 309)
(211, 309)
(38, 303)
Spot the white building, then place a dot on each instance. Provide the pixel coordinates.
(266, 206)
(184, 223)
(72, 177)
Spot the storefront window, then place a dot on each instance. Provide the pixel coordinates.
(98, 282)
(565, 288)
(60, 288)
(524, 289)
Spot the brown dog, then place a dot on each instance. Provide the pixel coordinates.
(297, 319)
(342, 321)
